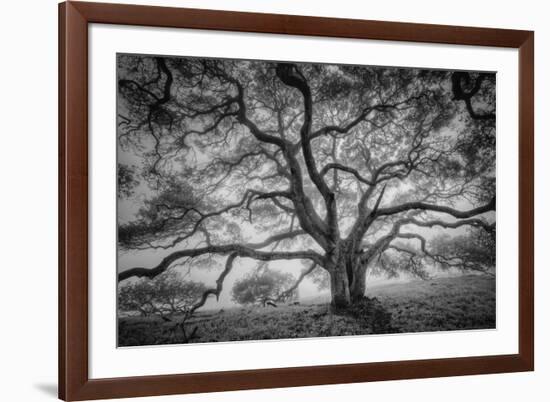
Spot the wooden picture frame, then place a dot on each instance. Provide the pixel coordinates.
(74, 381)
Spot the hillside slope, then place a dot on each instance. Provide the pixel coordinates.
(443, 304)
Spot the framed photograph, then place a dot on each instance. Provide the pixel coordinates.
(259, 200)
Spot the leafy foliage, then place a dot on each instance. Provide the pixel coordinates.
(473, 250)
(126, 181)
(167, 294)
(261, 287)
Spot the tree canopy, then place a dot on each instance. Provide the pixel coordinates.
(335, 166)
(169, 293)
(261, 287)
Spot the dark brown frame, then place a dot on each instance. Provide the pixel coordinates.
(74, 383)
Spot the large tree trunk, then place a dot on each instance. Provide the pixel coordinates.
(343, 292)
(339, 287)
(343, 276)
(359, 285)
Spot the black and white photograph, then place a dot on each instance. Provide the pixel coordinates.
(263, 200)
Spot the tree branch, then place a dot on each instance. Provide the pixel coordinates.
(291, 76)
(241, 250)
(307, 215)
(490, 206)
(338, 166)
(383, 242)
(219, 285)
(451, 225)
(291, 289)
(460, 94)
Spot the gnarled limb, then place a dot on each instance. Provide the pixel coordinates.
(290, 75)
(383, 242)
(241, 250)
(305, 272)
(409, 206)
(459, 93)
(338, 166)
(310, 220)
(245, 201)
(451, 261)
(219, 284)
(451, 225)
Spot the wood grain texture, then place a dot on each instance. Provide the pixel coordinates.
(298, 25)
(73, 203)
(526, 201)
(74, 382)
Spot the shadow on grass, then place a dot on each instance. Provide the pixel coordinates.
(371, 315)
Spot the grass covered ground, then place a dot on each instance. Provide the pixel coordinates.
(442, 304)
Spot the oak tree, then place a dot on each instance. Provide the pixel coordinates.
(333, 166)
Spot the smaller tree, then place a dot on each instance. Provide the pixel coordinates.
(261, 287)
(137, 297)
(167, 294)
(175, 295)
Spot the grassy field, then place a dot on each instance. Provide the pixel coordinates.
(443, 304)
